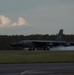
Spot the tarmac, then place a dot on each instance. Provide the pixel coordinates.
(37, 69)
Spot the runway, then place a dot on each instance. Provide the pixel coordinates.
(37, 69)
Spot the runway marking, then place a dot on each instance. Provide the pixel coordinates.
(25, 72)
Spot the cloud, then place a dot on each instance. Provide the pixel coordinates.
(6, 22)
(20, 22)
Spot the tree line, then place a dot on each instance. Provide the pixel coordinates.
(5, 40)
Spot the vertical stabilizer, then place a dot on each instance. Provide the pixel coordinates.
(60, 35)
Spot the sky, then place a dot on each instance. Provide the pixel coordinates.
(25, 17)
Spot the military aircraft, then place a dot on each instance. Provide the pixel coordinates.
(42, 44)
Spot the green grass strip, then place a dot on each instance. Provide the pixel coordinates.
(22, 56)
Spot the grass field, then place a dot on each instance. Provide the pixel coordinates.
(22, 56)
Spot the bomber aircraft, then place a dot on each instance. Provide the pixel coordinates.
(42, 44)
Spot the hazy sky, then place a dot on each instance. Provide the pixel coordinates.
(36, 16)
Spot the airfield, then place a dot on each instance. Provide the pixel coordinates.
(38, 56)
(40, 62)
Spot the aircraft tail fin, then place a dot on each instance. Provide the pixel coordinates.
(60, 35)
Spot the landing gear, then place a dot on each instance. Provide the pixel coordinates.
(37, 48)
(46, 48)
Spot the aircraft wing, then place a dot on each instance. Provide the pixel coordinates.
(48, 43)
(52, 43)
